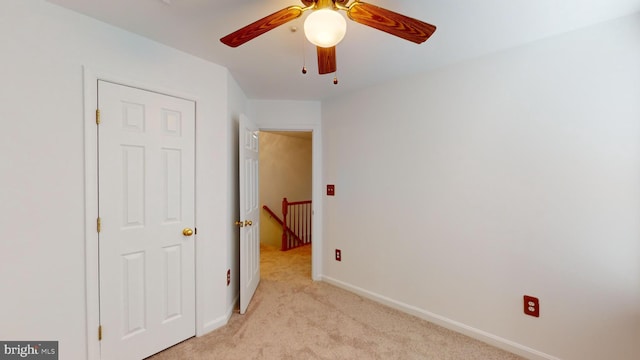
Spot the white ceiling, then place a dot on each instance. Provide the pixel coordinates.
(269, 67)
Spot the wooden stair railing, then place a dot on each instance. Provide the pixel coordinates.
(297, 217)
(295, 222)
(277, 218)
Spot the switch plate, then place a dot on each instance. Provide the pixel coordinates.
(338, 255)
(331, 190)
(531, 306)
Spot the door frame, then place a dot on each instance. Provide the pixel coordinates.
(316, 190)
(92, 289)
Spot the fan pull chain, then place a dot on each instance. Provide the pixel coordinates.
(335, 78)
(304, 56)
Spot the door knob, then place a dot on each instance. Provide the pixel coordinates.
(187, 232)
(248, 223)
(239, 223)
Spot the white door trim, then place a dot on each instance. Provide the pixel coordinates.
(91, 78)
(316, 191)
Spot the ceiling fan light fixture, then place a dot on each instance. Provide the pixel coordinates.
(325, 28)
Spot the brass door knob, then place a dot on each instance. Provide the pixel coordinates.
(239, 224)
(248, 223)
(187, 232)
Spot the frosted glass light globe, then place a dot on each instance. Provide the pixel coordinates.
(325, 28)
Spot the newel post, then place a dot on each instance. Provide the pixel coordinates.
(285, 210)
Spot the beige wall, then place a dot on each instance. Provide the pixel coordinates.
(285, 171)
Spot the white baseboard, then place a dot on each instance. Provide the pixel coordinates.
(220, 321)
(474, 333)
(214, 325)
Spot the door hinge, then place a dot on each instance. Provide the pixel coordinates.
(99, 332)
(195, 229)
(99, 224)
(97, 116)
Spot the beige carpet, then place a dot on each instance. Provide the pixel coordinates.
(292, 317)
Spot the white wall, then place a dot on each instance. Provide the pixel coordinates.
(285, 114)
(285, 171)
(516, 173)
(42, 207)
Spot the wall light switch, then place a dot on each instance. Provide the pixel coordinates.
(331, 190)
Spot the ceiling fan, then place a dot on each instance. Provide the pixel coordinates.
(325, 28)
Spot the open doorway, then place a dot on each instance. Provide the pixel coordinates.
(311, 262)
(285, 172)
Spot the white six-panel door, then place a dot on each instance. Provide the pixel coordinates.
(146, 147)
(249, 212)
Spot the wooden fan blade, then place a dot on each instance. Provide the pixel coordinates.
(390, 22)
(261, 26)
(308, 2)
(326, 60)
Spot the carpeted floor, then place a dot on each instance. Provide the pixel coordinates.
(292, 317)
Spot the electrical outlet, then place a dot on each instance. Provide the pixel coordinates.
(531, 306)
(228, 277)
(338, 255)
